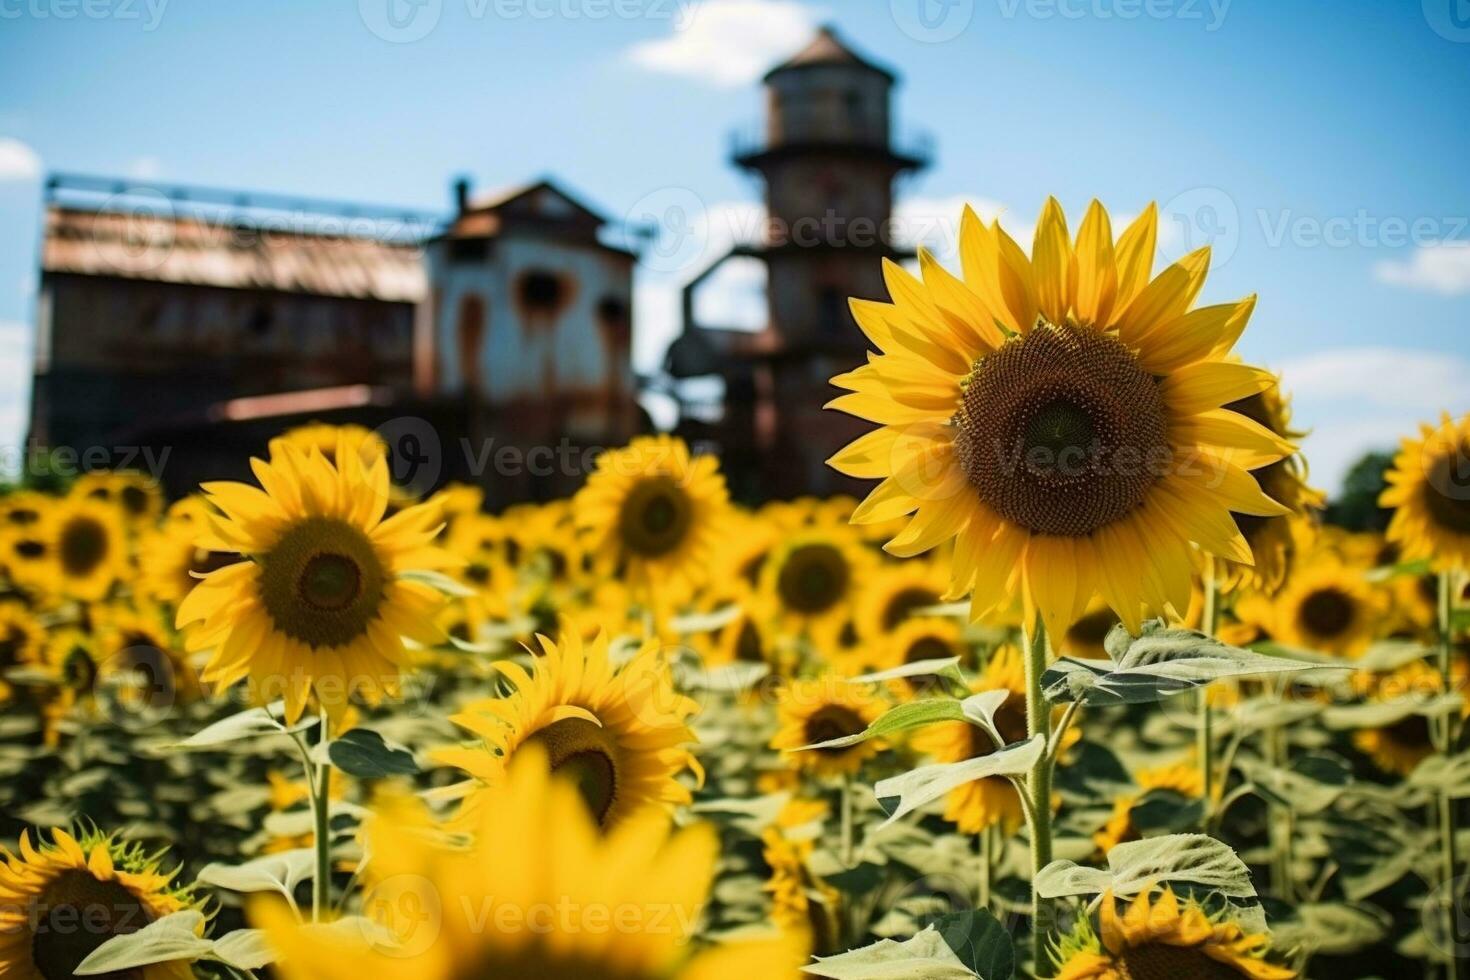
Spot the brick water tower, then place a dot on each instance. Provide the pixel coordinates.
(828, 158)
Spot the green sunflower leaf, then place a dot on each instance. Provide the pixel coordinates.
(439, 581)
(1186, 859)
(173, 938)
(911, 714)
(946, 667)
(275, 872)
(903, 794)
(250, 723)
(926, 955)
(1160, 662)
(981, 942)
(244, 949)
(1332, 928)
(363, 753)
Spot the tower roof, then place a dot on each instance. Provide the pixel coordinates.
(828, 49)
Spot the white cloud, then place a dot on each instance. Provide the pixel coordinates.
(728, 43)
(145, 168)
(15, 382)
(1442, 267)
(18, 161)
(1359, 399)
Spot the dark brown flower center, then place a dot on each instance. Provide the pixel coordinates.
(1158, 961)
(588, 755)
(1327, 612)
(655, 517)
(1089, 632)
(1010, 721)
(748, 645)
(83, 545)
(1062, 431)
(814, 578)
(833, 721)
(1447, 490)
(75, 913)
(905, 603)
(322, 582)
(1410, 732)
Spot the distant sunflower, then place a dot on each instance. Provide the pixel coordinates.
(802, 903)
(813, 578)
(135, 646)
(139, 497)
(322, 605)
(895, 593)
(87, 544)
(1157, 939)
(1084, 638)
(1430, 496)
(553, 877)
(171, 563)
(621, 734)
(747, 638)
(915, 640)
(658, 512)
(743, 552)
(1183, 778)
(328, 440)
(819, 710)
(1399, 746)
(25, 556)
(21, 641)
(990, 801)
(20, 509)
(1274, 540)
(1329, 607)
(113, 888)
(1061, 418)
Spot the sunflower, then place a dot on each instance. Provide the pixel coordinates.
(746, 638)
(656, 511)
(48, 890)
(622, 734)
(171, 563)
(1183, 778)
(21, 641)
(1061, 418)
(322, 605)
(25, 555)
(813, 579)
(135, 647)
(21, 509)
(742, 553)
(1084, 638)
(895, 593)
(1399, 746)
(985, 802)
(802, 903)
(568, 900)
(819, 710)
(139, 497)
(1273, 540)
(1430, 497)
(1156, 939)
(329, 440)
(87, 545)
(928, 638)
(1329, 607)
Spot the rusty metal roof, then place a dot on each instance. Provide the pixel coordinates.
(828, 49)
(202, 251)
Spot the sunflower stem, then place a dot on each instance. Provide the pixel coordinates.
(1204, 722)
(1448, 858)
(987, 866)
(1038, 722)
(847, 820)
(321, 805)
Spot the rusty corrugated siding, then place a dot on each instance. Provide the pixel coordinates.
(191, 251)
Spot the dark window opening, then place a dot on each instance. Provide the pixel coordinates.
(541, 291)
(469, 249)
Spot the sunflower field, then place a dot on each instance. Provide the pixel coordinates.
(1085, 688)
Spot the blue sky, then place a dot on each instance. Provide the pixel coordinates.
(1319, 144)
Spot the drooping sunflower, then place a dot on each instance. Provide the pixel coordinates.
(990, 801)
(87, 544)
(813, 578)
(322, 605)
(1158, 939)
(1329, 607)
(1429, 495)
(621, 734)
(568, 900)
(656, 511)
(819, 710)
(50, 891)
(1183, 778)
(1060, 417)
(1273, 540)
(896, 592)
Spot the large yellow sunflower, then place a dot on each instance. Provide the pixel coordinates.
(322, 605)
(819, 710)
(1430, 496)
(88, 548)
(1061, 417)
(1274, 540)
(564, 900)
(48, 892)
(985, 802)
(621, 734)
(657, 512)
(1157, 939)
(1329, 607)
